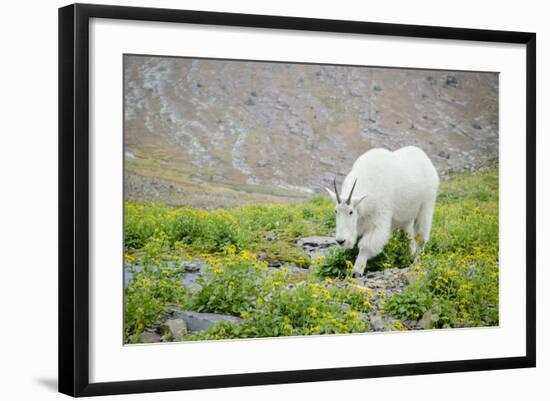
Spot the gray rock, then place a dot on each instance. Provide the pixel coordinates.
(196, 321)
(327, 162)
(292, 268)
(274, 263)
(271, 236)
(151, 337)
(129, 154)
(177, 328)
(411, 324)
(193, 268)
(426, 321)
(377, 323)
(451, 81)
(281, 104)
(263, 163)
(345, 307)
(316, 241)
(195, 265)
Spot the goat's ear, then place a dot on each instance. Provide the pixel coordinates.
(356, 200)
(332, 195)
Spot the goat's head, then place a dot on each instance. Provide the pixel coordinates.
(346, 216)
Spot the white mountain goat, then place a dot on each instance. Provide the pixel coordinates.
(385, 190)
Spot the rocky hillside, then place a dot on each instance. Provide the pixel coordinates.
(221, 133)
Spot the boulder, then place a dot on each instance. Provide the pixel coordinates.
(377, 323)
(150, 337)
(197, 321)
(316, 241)
(194, 265)
(274, 263)
(177, 328)
(426, 321)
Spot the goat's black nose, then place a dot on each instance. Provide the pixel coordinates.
(340, 241)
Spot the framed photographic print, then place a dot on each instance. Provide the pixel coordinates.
(250, 199)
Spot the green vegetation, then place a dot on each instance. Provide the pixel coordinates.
(457, 275)
(454, 281)
(232, 284)
(338, 262)
(309, 307)
(146, 297)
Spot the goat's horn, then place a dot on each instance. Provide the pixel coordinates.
(351, 192)
(336, 190)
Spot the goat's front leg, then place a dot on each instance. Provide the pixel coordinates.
(360, 261)
(370, 245)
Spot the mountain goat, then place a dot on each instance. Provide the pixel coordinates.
(385, 190)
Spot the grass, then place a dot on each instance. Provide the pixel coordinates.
(455, 280)
(156, 161)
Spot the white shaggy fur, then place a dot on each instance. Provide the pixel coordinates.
(394, 189)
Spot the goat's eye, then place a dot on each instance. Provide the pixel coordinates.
(350, 212)
(336, 211)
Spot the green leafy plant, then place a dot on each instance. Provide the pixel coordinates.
(231, 285)
(338, 261)
(458, 290)
(208, 230)
(146, 297)
(306, 309)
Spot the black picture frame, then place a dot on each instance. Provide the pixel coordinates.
(74, 194)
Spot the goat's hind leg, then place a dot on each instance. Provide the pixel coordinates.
(423, 222)
(423, 225)
(409, 230)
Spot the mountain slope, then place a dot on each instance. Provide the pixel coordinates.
(220, 133)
